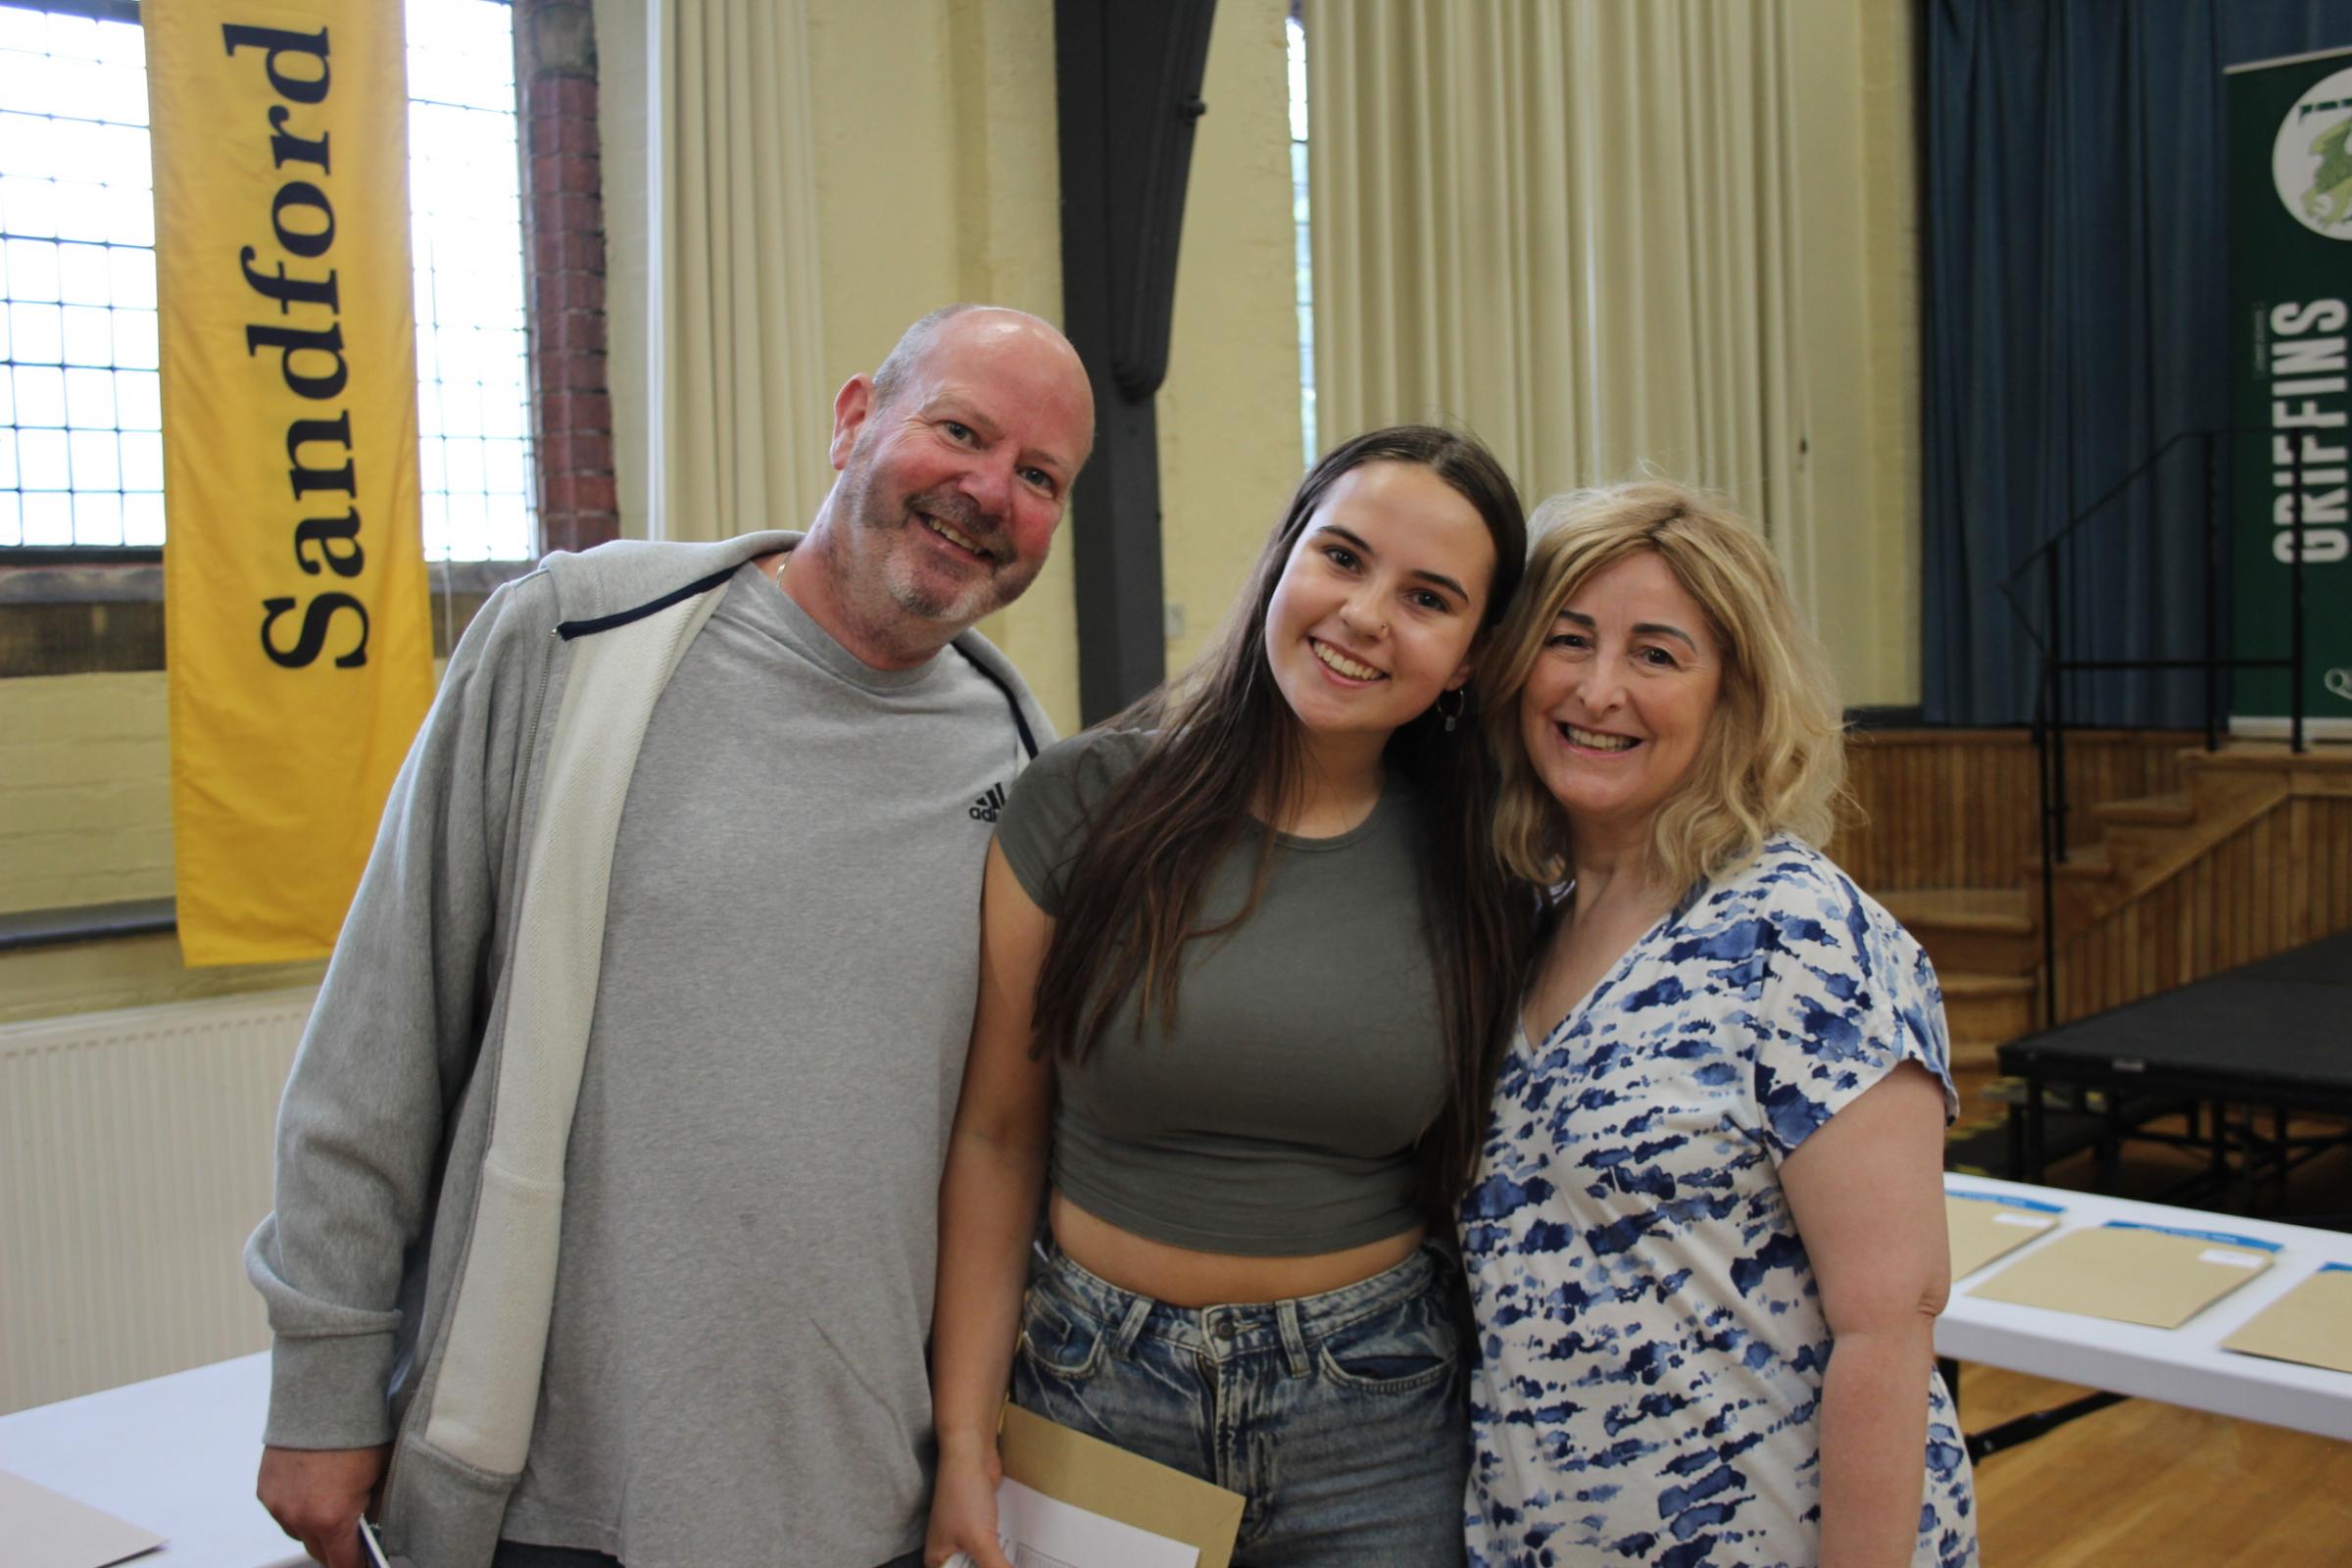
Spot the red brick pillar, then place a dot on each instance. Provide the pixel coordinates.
(564, 250)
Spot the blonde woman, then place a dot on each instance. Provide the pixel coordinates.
(1705, 1240)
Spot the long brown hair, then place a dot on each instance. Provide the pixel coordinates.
(1226, 742)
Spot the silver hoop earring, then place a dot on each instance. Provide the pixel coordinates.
(1452, 715)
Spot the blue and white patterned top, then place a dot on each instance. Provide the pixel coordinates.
(1652, 1338)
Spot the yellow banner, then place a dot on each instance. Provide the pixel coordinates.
(296, 622)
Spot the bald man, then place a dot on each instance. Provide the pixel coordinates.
(606, 1172)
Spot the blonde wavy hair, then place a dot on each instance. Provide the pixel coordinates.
(1774, 757)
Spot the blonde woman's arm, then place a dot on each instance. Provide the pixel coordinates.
(1866, 1192)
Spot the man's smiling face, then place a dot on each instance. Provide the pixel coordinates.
(953, 488)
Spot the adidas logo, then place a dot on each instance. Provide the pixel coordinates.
(985, 809)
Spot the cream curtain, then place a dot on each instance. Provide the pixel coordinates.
(1569, 225)
(737, 357)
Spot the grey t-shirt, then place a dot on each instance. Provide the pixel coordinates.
(1278, 1117)
(735, 1362)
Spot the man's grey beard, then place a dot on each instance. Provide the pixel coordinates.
(975, 598)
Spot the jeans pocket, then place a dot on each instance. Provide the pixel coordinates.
(1058, 1339)
(1396, 1349)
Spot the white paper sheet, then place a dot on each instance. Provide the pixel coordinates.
(1036, 1531)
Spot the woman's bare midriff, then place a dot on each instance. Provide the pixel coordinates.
(1181, 1277)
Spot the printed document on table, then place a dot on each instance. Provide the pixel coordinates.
(2311, 1324)
(2159, 1275)
(1039, 1532)
(1982, 1227)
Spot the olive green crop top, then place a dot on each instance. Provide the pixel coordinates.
(1278, 1117)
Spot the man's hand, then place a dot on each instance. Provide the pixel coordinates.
(317, 1495)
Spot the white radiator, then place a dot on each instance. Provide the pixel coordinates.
(135, 1160)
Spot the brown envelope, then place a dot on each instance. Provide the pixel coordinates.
(2130, 1273)
(1982, 1229)
(45, 1527)
(2311, 1324)
(1089, 1473)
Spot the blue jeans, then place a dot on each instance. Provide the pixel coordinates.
(1340, 1417)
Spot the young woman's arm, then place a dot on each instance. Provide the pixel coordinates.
(988, 1207)
(1866, 1192)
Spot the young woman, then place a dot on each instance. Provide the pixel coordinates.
(1245, 956)
(1707, 1243)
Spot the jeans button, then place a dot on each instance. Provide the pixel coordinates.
(1223, 1328)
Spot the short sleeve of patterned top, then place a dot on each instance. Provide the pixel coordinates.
(1653, 1341)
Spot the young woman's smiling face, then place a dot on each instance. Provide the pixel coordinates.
(1617, 706)
(1380, 601)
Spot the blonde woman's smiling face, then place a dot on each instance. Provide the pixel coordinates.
(1616, 709)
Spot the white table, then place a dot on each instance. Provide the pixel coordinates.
(175, 1456)
(2185, 1367)
(178, 1454)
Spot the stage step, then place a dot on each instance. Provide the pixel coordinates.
(2085, 864)
(2323, 757)
(2183, 862)
(1979, 930)
(1984, 1011)
(2147, 811)
(2147, 831)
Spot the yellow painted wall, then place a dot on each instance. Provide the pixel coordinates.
(86, 817)
(89, 810)
(1229, 431)
(1855, 171)
(622, 129)
(1891, 238)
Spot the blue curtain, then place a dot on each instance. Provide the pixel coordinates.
(2076, 304)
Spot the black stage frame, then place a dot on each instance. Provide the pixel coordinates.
(2264, 1041)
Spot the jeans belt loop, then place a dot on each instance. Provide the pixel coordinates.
(1131, 1324)
(1293, 1338)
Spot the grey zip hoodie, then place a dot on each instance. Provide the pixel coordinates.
(409, 1266)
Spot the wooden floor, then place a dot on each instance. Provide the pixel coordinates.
(2145, 1484)
(2141, 1485)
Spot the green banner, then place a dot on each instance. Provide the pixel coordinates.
(2290, 271)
